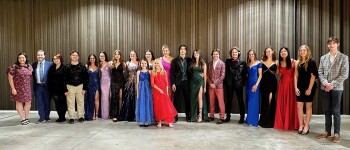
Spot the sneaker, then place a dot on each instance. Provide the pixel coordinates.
(336, 138)
(71, 121)
(81, 119)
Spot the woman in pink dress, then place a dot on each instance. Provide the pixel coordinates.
(164, 109)
(105, 84)
(19, 75)
(166, 62)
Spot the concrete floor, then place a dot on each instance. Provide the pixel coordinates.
(104, 134)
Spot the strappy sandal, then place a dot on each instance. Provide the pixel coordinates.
(199, 119)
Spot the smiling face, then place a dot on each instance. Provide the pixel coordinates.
(156, 64)
(268, 52)
(183, 50)
(283, 53)
(74, 56)
(196, 54)
(333, 46)
(40, 56)
(148, 56)
(102, 57)
(22, 59)
(216, 55)
(116, 56)
(133, 56)
(303, 52)
(143, 64)
(166, 51)
(56, 60)
(234, 54)
(251, 55)
(92, 59)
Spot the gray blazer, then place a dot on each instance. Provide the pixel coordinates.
(334, 74)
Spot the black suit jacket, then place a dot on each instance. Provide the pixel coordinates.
(235, 76)
(175, 70)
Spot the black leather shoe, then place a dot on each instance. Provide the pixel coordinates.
(188, 118)
(81, 119)
(211, 118)
(228, 119)
(71, 121)
(176, 119)
(220, 121)
(241, 121)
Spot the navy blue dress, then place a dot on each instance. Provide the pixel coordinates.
(93, 86)
(144, 103)
(253, 97)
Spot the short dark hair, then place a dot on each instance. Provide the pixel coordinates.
(182, 46)
(58, 56)
(333, 39)
(237, 49)
(215, 50)
(73, 51)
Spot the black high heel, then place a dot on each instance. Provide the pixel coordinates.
(307, 132)
(300, 131)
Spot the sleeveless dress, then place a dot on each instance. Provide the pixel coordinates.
(105, 91)
(164, 109)
(268, 84)
(93, 86)
(253, 98)
(127, 112)
(196, 82)
(144, 103)
(286, 108)
(117, 83)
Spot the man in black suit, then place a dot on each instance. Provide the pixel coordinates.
(235, 80)
(180, 77)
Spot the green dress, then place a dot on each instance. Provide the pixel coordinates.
(196, 82)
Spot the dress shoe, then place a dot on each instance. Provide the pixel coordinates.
(228, 119)
(241, 121)
(40, 121)
(71, 121)
(48, 120)
(336, 138)
(307, 132)
(81, 119)
(324, 135)
(211, 119)
(188, 118)
(220, 121)
(176, 119)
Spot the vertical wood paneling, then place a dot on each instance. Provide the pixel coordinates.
(91, 26)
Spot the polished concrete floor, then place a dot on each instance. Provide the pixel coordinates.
(104, 134)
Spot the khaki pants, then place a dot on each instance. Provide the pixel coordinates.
(75, 93)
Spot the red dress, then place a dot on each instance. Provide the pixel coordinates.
(286, 117)
(164, 109)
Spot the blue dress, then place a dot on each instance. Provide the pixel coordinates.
(93, 86)
(144, 103)
(253, 97)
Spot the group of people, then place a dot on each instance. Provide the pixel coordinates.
(150, 90)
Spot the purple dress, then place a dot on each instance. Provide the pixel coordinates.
(21, 82)
(105, 91)
(167, 66)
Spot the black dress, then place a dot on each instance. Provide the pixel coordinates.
(117, 83)
(56, 89)
(268, 84)
(304, 77)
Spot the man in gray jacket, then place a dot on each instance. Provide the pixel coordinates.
(333, 71)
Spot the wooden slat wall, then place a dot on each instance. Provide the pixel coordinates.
(91, 26)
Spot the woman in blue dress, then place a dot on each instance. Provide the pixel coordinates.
(92, 98)
(144, 102)
(253, 88)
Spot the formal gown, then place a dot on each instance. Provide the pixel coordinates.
(286, 108)
(127, 112)
(304, 77)
(196, 82)
(93, 87)
(57, 88)
(144, 103)
(268, 85)
(167, 67)
(253, 98)
(117, 84)
(164, 109)
(105, 91)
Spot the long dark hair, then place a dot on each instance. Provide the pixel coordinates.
(152, 58)
(89, 63)
(137, 56)
(182, 46)
(255, 57)
(201, 62)
(273, 54)
(288, 60)
(25, 55)
(121, 61)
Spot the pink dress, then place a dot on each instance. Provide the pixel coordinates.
(105, 91)
(167, 67)
(21, 82)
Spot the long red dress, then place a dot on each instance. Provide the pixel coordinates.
(164, 109)
(286, 117)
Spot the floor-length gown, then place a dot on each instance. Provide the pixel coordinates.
(268, 85)
(127, 112)
(253, 97)
(164, 109)
(286, 108)
(93, 87)
(167, 67)
(196, 82)
(144, 103)
(117, 84)
(105, 91)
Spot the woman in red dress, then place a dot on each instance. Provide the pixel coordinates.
(286, 116)
(164, 109)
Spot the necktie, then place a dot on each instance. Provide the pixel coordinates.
(41, 72)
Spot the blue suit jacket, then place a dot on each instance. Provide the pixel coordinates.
(47, 66)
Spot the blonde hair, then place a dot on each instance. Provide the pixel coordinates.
(164, 47)
(160, 66)
(308, 56)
